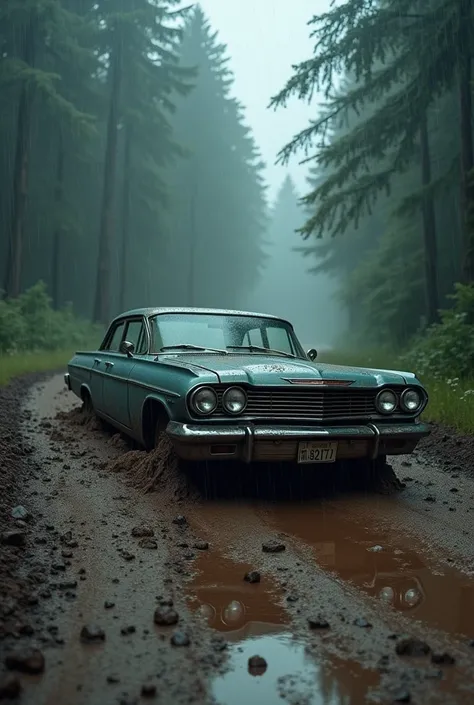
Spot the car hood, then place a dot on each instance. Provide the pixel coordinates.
(276, 370)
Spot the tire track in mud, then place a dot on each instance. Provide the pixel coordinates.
(269, 619)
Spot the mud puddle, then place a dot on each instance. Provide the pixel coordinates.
(380, 564)
(266, 661)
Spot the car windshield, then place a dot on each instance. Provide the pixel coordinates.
(191, 332)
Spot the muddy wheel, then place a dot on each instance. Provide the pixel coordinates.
(160, 429)
(87, 405)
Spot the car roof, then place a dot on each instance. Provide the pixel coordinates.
(217, 311)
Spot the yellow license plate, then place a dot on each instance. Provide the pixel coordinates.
(317, 452)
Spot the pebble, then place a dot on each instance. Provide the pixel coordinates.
(257, 665)
(148, 690)
(273, 546)
(148, 543)
(201, 545)
(25, 660)
(165, 616)
(92, 633)
(13, 537)
(362, 622)
(252, 576)
(412, 647)
(10, 687)
(180, 520)
(180, 638)
(108, 604)
(318, 622)
(442, 659)
(128, 630)
(143, 531)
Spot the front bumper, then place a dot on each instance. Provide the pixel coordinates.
(255, 443)
(67, 380)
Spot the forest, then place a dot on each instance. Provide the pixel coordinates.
(129, 175)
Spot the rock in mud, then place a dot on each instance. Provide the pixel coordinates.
(180, 638)
(25, 661)
(412, 647)
(442, 659)
(403, 696)
(148, 543)
(10, 687)
(252, 576)
(180, 520)
(125, 631)
(128, 556)
(165, 616)
(257, 665)
(148, 690)
(142, 531)
(362, 622)
(14, 537)
(201, 545)
(318, 622)
(20, 512)
(273, 546)
(108, 604)
(91, 633)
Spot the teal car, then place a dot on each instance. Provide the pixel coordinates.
(237, 385)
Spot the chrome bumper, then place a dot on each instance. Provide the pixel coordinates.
(67, 380)
(246, 437)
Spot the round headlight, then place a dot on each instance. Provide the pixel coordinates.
(387, 594)
(386, 401)
(412, 597)
(204, 401)
(234, 400)
(411, 400)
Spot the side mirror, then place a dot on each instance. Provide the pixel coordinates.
(127, 348)
(312, 354)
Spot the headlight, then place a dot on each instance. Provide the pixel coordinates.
(386, 401)
(411, 400)
(204, 401)
(234, 400)
(387, 594)
(412, 597)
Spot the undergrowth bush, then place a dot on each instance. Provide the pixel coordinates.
(446, 349)
(29, 323)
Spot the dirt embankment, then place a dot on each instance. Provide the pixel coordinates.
(132, 581)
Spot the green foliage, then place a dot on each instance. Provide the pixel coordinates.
(446, 349)
(28, 324)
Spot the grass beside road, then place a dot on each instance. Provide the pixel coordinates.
(451, 401)
(23, 363)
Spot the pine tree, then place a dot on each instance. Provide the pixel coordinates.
(397, 53)
(217, 206)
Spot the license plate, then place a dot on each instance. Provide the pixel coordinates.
(317, 452)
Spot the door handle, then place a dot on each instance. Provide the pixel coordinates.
(109, 364)
(97, 361)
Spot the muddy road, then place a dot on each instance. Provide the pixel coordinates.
(229, 585)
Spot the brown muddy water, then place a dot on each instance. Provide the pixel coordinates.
(255, 624)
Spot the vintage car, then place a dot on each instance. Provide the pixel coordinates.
(238, 385)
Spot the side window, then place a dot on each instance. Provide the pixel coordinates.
(114, 341)
(254, 337)
(136, 334)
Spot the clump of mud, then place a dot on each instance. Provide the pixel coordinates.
(385, 481)
(158, 470)
(80, 416)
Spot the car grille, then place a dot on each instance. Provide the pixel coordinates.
(311, 404)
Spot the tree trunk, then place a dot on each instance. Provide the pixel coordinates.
(192, 250)
(20, 174)
(429, 229)
(467, 147)
(102, 292)
(58, 202)
(127, 180)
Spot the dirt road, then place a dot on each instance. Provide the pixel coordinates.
(134, 597)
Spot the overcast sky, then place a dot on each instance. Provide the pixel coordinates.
(264, 39)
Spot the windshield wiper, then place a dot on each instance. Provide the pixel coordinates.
(186, 346)
(258, 348)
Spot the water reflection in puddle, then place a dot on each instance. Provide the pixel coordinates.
(380, 565)
(255, 625)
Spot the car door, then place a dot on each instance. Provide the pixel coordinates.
(118, 369)
(100, 364)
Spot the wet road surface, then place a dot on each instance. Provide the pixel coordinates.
(359, 572)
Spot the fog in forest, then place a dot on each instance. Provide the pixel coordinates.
(158, 154)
